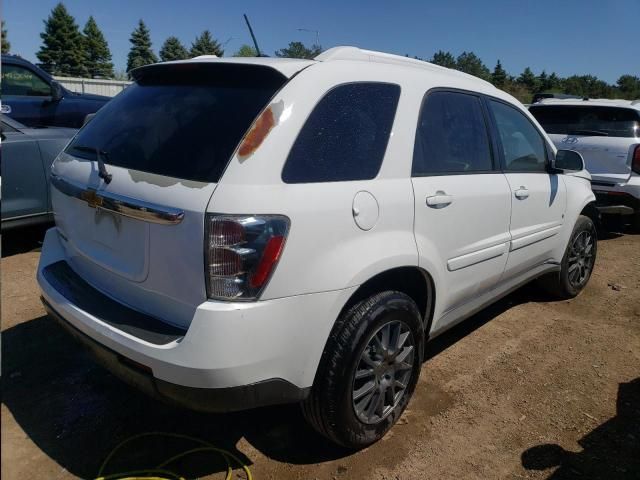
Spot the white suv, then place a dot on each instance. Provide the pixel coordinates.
(607, 134)
(232, 233)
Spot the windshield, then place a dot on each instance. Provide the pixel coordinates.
(588, 120)
(182, 120)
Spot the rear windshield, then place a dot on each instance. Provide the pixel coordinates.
(588, 120)
(181, 121)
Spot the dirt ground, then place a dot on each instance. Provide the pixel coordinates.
(526, 389)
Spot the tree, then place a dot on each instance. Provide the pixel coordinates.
(246, 51)
(298, 50)
(6, 46)
(63, 49)
(499, 76)
(528, 79)
(629, 86)
(555, 81)
(98, 56)
(205, 44)
(468, 62)
(141, 52)
(172, 49)
(444, 59)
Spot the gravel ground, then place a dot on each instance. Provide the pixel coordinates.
(526, 389)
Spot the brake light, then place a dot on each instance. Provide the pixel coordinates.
(241, 253)
(635, 164)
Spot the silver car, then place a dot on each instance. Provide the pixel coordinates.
(26, 156)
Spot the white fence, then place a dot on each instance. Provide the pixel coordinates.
(110, 88)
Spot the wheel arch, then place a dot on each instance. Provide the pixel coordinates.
(413, 281)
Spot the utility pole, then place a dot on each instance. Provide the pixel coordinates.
(255, 42)
(311, 31)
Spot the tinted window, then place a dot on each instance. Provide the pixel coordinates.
(20, 81)
(346, 135)
(180, 122)
(587, 120)
(522, 145)
(451, 136)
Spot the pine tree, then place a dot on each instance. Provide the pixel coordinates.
(141, 52)
(246, 51)
(6, 46)
(205, 44)
(499, 75)
(172, 49)
(529, 80)
(62, 51)
(299, 50)
(469, 62)
(98, 61)
(444, 59)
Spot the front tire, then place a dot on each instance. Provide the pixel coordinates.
(577, 263)
(368, 371)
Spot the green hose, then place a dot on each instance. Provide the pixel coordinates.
(160, 472)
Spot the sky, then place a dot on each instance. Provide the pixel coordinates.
(598, 37)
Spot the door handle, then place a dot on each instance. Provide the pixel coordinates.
(439, 200)
(522, 193)
(5, 108)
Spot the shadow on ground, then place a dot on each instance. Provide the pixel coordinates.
(76, 412)
(22, 240)
(609, 452)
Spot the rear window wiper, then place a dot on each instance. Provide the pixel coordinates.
(591, 133)
(102, 169)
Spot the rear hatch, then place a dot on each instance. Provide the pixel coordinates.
(605, 136)
(165, 141)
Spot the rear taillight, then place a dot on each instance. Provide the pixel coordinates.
(241, 253)
(635, 163)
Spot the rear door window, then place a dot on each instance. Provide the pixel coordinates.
(588, 120)
(346, 135)
(183, 121)
(452, 136)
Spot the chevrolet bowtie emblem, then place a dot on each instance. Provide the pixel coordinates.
(92, 198)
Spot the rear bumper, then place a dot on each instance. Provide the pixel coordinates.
(233, 356)
(268, 392)
(618, 199)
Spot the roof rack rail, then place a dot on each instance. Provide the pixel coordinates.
(359, 54)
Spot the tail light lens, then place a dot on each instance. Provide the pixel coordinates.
(635, 163)
(241, 253)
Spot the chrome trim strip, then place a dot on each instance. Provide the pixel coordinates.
(120, 204)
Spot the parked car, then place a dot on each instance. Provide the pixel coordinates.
(27, 154)
(32, 97)
(232, 233)
(607, 134)
(542, 95)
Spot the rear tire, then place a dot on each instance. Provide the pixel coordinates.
(368, 370)
(577, 263)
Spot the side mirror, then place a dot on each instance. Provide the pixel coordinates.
(568, 161)
(56, 91)
(88, 118)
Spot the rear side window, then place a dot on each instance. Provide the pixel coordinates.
(451, 136)
(522, 144)
(180, 121)
(346, 135)
(588, 120)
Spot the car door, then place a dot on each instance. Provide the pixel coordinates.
(24, 180)
(462, 200)
(26, 97)
(538, 198)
